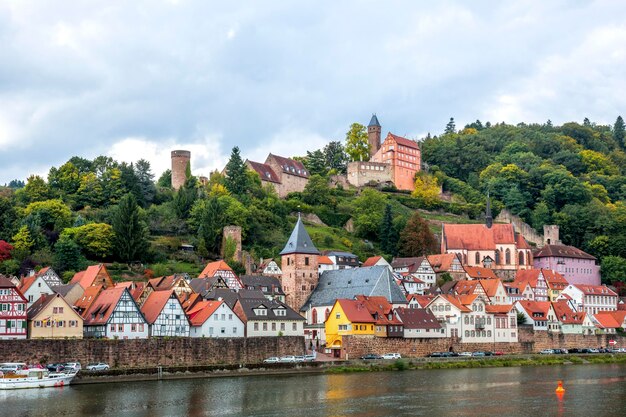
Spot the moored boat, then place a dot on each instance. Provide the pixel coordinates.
(34, 378)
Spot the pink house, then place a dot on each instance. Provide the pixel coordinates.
(576, 266)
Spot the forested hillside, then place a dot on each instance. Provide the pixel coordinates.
(89, 211)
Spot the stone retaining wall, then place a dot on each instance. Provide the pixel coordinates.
(152, 352)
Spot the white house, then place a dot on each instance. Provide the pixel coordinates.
(540, 314)
(34, 287)
(165, 315)
(263, 317)
(420, 323)
(590, 298)
(215, 319)
(270, 268)
(115, 314)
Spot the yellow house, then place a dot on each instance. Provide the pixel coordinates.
(347, 317)
(51, 317)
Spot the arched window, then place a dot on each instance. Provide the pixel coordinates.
(488, 333)
(473, 333)
(507, 257)
(466, 320)
(521, 258)
(477, 259)
(528, 259)
(497, 257)
(314, 316)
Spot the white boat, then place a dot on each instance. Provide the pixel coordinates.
(34, 378)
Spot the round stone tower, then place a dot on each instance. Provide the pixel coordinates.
(180, 161)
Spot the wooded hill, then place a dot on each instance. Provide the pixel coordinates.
(102, 210)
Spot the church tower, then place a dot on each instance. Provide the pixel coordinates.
(373, 135)
(299, 263)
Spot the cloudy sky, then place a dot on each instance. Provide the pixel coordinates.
(136, 79)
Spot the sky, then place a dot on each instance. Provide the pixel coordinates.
(137, 79)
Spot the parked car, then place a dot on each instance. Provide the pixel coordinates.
(371, 356)
(498, 353)
(546, 352)
(561, 351)
(465, 354)
(488, 353)
(309, 358)
(72, 366)
(273, 359)
(55, 367)
(392, 356)
(300, 358)
(97, 366)
(575, 350)
(288, 359)
(11, 367)
(437, 355)
(478, 353)
(593, 350)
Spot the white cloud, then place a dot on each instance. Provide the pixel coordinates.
(288, 142)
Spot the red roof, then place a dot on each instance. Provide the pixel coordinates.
(562, 251)
(498, 308)
(595, 290)
(26, 283)
(528, 275)
(442, 262)
(265, 171)
(103, 307)
(355, 311)
(213, 268)
(537, 310)
(610, 319)
(290, 166)
(202, 311)
(379, 308)
(403, 141)
(89, 296)
(422, 300)
(87, 277)
(521, 242)
(565, 314)
(455, 301)
(324, 260)
(477, 236)
(371, 261)
(465, 286)
(478, 272)
(154, 304)
(490, 286)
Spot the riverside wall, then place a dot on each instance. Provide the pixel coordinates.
(152, 352)
(530, 341)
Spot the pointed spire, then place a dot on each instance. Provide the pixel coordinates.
(488, 218)
(374, 121)
(299, 241)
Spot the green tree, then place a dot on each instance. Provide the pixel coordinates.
(65, 180)
(385, 231)
(67, 255)
(315, 162)
(316, 191)
(185, 197)
(22, 243)
(90, 191)
(145, 179)
(95, 239)
(367, 212)
(357, 144)
(236, 180)
(8, 218)
(335, 157)
(416, 239)
(165, 180)
(212, 220)
(540, 216)
(35, 189)
(613, 269)
(50, 214)
(618, 132)
(450, 127)
(131, 240)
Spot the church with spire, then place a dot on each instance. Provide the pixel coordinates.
(299, 263)
(495, 246)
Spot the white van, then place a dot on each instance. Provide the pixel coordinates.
(392, 356)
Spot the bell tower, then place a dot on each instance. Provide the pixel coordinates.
(373, 135)
(299, 263)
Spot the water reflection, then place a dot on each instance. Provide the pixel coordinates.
(591, 390)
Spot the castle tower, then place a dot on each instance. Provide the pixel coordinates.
(234, 233)
(180, 161)
(551, 234)
(299, 265)
(373, 135)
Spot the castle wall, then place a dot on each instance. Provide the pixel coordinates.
(521, 227)
(233, 232)
(363, 173)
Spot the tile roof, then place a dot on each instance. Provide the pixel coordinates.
(422, 300)
(64, 290)
(565, 314)
(202, 311)
(87, 277)
(371, 261)
(348, 283)
(27, 282)
(356, 311)
(213, 268)
(491, 286)
(191, 301)
(562, 251)
(455, 301)
(89, 296)
(595, 289)
(154, 304)
(418, 318)
(403, 141)
(411, 263)
(290, 166)
(299, 241)
(610, 319)
(265, 171)
(6, 282)
(40, 304)
(102, 308)
(528, 275)
(498, 308)
(478, 272)
(537, 310)
(465, 286)
(521, 242)
(477, 236)
(442, 262)
(324, 260)
(380, 309)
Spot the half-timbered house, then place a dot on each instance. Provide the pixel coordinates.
(165, 315)
(222, 269)
(114, 314)
(12, 311)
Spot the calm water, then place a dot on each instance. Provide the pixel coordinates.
(591, 390)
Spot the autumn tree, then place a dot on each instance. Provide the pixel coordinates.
(427, 188)
(416, 239)
(131, 237)
(357, 144)
(5, 250)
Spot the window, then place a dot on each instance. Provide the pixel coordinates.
(507, 256)
(314, 316)
(223, 330)
(256, 327)
(120, 327)
(294, 326)
(282, 327)
(338, 315)
(306, 260)
(163, 328)
(133, 327)
(234, 330)
(210, 330)
(521, 258)
(264, 327)
(477, 258)
(273, 326)
(113, 327)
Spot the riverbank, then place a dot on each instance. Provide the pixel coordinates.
(219, 371)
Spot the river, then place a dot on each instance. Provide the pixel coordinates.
(591, 390)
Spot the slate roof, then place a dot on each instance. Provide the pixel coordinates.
(374, 121)
(299, 241)
(418, 318)
(411, 263)
(63, 290)
(257, 282)
(248, 305)
(265, 171)
(562, 251)
(348, 283)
